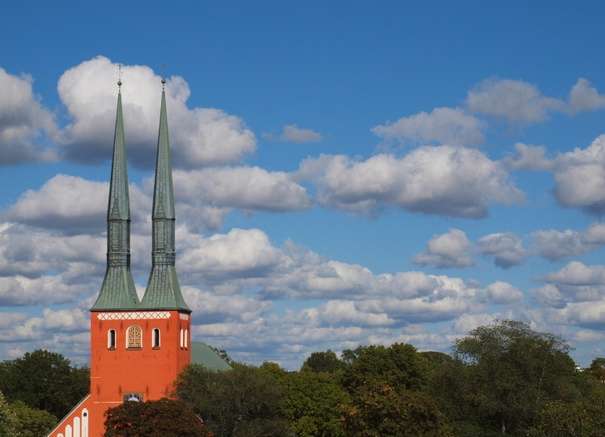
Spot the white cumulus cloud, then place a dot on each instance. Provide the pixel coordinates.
(441, 180)
(441, 125)
(452, 249)
(199, 136)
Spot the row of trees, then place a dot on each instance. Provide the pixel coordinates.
(501, 379)
(35, 390)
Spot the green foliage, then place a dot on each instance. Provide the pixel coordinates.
(163, 418)
(386, 387)
(382, 410)
(323, 362)
(32, 422)
(45, 381)
(399, 366)
(8, 419)
(245, 401)
(506, 373)
(583, 418)
(313, 404)
(597, 369)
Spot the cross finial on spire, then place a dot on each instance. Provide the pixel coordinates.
(163, 73)
(119, 77)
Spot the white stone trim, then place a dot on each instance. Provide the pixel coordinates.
(84, 422)
(184, 316)
(135, 315)
(77, 426)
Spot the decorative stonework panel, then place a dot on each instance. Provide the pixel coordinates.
(138, 315)
(184, 316)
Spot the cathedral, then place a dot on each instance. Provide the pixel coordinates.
(137, 347)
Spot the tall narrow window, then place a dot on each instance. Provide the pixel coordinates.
(134, 337)
(111, 339)
(182, 338)
(186, 338)
(155, 338)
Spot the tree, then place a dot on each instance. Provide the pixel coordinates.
(45, 381)
(385, 385)
(380, 410)
(313, 404)
(323, 362)
(399, 366)
(582, 418)
(8, 418)
(32, 422)
(163, 418)
(511, 372)
(597, 369)
(244, 401)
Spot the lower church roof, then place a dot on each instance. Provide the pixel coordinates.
(204, 355)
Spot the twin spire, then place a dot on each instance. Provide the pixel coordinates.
(163, 291)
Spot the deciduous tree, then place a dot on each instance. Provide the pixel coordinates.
(163, 418)
(45, 381)
(241, 402)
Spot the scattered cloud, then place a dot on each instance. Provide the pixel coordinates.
(514, 100)
(554, 244)
(452, 249)
(506, 248)
(580, 177)
(585, 97)
(199, 136)
(291, 133)
(248, 188)
(24, 122)
(503, 293)
(528, 157)
(441, 180)
(442, 125)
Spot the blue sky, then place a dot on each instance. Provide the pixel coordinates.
(360, 168)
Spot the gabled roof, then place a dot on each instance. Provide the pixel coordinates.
(204, 355)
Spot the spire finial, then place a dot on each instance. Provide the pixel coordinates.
(163, 73)
(119, 77)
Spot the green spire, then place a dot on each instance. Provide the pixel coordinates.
(119, 208)
(163, 196)
(163, 290)
(118, 290)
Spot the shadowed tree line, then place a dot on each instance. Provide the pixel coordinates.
(501, 379)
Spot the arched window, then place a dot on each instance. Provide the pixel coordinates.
(134, 337)
(155, 338)
(111, 339)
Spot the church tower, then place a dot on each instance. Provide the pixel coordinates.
(137, 348)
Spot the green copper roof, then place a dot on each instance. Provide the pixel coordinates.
(204, 355)
(163, 290)
(118, 187)
(118, 290)
(163, 196)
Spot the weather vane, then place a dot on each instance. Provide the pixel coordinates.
(119, 75)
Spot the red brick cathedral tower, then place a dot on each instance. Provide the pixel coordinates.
(137, 348)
